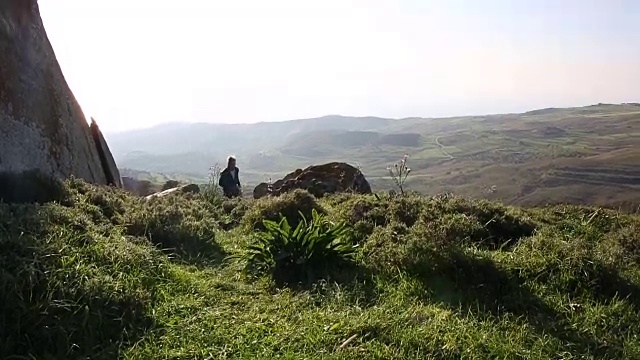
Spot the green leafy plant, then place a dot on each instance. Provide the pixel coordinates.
(399, 173)
(306, 252)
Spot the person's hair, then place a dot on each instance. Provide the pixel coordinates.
(231, 158)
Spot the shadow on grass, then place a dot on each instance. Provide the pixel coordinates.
(182, 239)
(31, 187)
(197, 252)
(351, 283)
(55, 324)
(476, 285)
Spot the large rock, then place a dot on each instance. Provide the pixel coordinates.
(319, 180)
(42, 127)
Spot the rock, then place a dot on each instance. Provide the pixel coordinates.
(106, 158)
(138, 187)
(42, 127)
(184, 189)
(319, 180)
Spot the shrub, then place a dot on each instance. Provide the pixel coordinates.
(291, 255)
(628, 239)
(177, 223)
(386, 247)
(379, 211)
(575, 266)
(293, 206)
(232, 210)
(407, 209)
(497, 226)
(170, 184)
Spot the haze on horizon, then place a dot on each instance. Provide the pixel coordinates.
(135, 64)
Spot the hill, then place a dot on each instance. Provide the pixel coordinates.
(101, 273)
(584, 155)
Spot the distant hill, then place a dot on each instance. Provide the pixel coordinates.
(580, 155)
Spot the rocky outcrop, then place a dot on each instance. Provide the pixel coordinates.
(42, 127)
(106, 158)
(319, 180)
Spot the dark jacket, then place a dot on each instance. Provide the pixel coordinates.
(228, 184)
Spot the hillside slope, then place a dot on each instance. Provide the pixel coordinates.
(587, 155)
(106, 275)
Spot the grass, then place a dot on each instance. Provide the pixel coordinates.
(105, 275)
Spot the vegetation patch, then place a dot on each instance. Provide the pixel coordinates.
(293, 206)
(429, 278)
(69, 292)
(312, 250)
(180, 225)
(481, 222)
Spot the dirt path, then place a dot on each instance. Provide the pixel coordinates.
(442, 149)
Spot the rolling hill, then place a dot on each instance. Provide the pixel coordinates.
(586, 154)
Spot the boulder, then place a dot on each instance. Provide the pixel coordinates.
(184, 189)
(319, 180)
(42, 127)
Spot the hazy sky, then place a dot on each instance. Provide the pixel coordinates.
(136, 63)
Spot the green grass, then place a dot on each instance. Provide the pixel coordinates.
(106, 275)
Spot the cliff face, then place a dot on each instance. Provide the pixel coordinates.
(42, 126)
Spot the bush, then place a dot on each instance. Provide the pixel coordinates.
(575, 266)
(407, 209)
(292, 255)
(293, 206)
(233, 210)
(497, 226)
(170, 184)
(386, 248)
(628, 238)
(182, 225)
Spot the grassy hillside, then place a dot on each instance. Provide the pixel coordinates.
(587, 155)
(104, 274)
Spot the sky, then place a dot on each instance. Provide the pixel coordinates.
(138, 63)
